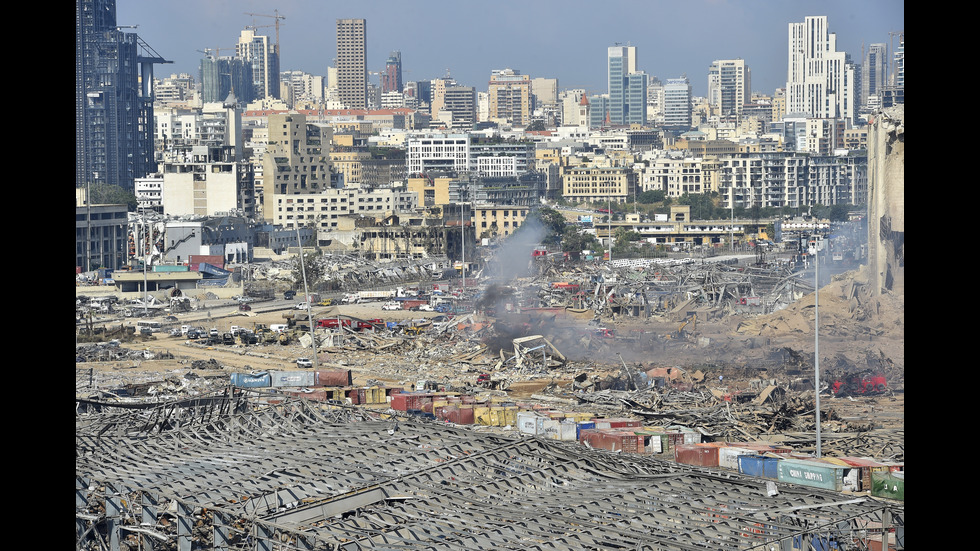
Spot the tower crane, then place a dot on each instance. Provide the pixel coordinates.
(277, 18)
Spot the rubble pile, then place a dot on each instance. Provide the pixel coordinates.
(344, 272)
(111, 351)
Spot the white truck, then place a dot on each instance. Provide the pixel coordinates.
(366, 296)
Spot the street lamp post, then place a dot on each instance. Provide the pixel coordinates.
(306, 291)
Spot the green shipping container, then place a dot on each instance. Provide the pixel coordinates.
(811, 473)
(888, 485)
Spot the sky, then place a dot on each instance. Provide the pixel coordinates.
(562, 39)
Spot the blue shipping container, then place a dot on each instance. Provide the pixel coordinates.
(758, 465)
(251, 380)
(583, 425)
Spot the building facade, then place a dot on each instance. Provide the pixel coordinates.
(677, 105)
(820, 79)
(296, 159)
(352, 76)
(391, 78)
(598, 184)
(263, 57)
(113, 113)
(510, 97)
(729, 86)
(100, 236)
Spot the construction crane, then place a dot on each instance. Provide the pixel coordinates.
(217, 52)
(277, 18)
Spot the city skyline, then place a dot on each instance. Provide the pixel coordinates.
(567, 41)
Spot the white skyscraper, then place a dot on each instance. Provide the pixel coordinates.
(820, 80)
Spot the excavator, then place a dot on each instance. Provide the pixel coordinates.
(682, 333)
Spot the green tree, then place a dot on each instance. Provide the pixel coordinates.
(536, 126)
(838, 213)
(651, 196)
(108, 194)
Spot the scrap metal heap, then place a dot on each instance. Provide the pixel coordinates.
(240, 471)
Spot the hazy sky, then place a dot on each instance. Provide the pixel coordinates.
(563, 39)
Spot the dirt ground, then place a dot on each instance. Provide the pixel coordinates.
(857, 332)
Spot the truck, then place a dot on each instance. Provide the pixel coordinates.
(365, 296)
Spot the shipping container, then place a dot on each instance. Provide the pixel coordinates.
(812, 473)
(693, 454)
(759, 465)
(527, 422)
(281, 379)
(653, 441)
(866, 467)
(728, 456)
(336, 378)
(612, 440)
(583, 425)
(889, 485)
(251, 380)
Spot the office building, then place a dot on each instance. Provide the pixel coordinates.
(352, 76)
(113, 113)
(262, 55)
(820, 79)
(627, 87)
(874, 74)
(729, 87)
(677, 104)
(391, 79)
(459, 107)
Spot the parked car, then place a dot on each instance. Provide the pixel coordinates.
(391, 306)
(194, 334)
(304, 362)
(423, 308)
(289, 295)
(302, 305)
(244, 307)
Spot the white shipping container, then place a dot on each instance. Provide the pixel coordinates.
(728, 456)
(550, 429)
(527, 422)
(568, 431)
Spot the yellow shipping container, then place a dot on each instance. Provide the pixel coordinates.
(481, 415)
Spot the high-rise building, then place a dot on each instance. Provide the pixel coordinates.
(874, 73)
(510, 97)
(627, 87)
(221, 76)
(263, 56)
(616, 71)
(677, 104)
(391, 79)
(461, 102)
(820, 79)
(113, 113)
(352, 77)
(729, 86)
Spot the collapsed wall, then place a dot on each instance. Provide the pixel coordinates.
(886, 201)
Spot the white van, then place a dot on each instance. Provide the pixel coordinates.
(278, 327)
